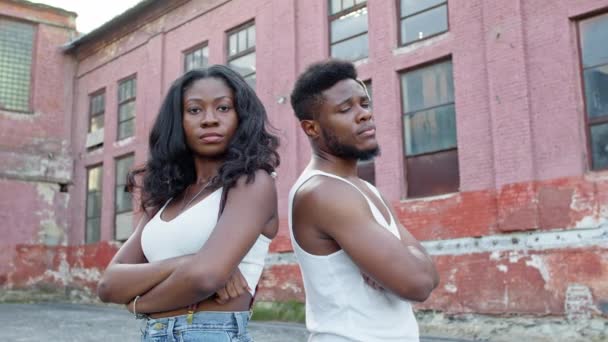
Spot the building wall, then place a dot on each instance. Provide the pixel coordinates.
(35, 146)
(527, 228)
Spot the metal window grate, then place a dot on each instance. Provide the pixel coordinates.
(16, 47)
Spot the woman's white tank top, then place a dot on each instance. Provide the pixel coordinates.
(340, 306)
(188, 232)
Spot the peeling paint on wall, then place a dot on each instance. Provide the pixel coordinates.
(537, 262)
(47, 191)
(450, 284)
(579, 303)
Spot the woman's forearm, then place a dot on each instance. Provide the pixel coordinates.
(176, 291)
(122, 282)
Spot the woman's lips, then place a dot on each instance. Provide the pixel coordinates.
(211, 138)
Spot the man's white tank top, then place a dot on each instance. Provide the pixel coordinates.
(340, 306)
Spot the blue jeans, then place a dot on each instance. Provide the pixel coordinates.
(206, 326)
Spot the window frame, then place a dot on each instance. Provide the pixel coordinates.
(589, 122)
(400, 19)
(116, 185)
(32, 80)
(368, 164)
(120, 103)
(86, 206)
(404, 154)
(337, 15)
(92, 115)
(191, 50)
(235, 30)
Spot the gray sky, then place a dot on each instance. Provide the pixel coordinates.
(91, 13)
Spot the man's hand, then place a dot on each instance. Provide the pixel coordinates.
(235, 287)
(371, 282)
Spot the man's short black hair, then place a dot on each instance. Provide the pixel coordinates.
(318, 77)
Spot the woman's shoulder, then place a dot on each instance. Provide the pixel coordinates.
(261, 179)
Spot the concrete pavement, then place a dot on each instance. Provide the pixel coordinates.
(83, 323)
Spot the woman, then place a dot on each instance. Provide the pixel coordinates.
(209, 212)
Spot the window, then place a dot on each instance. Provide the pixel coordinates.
(421, 19)
(366, 169)
(594, 55)
(429, 130)
(241, 52)
(123, 204)
(97, 106)
(348, 29)
(93, 218)
(16, 47)
(196, 58)
(126, 108)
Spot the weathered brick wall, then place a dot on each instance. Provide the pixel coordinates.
(35, 146)
(521, 144)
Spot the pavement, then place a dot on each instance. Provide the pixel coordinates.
(64, 322)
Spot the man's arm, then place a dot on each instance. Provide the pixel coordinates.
(409, 241)
(343, 213)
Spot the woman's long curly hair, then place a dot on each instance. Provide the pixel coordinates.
(170, 166)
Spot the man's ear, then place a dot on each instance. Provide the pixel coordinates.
(311, 128)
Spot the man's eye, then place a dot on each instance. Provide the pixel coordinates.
(366, 105)
(344, 110)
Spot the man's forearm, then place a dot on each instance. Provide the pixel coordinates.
(416, 249)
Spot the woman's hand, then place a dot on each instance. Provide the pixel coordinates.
(371, 282)
(235, 287)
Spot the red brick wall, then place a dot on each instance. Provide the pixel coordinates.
(520, 129)
(35, 147)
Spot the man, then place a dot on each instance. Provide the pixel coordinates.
(360, 267)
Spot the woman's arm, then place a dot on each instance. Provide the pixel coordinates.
(129, 274)
(248, 208)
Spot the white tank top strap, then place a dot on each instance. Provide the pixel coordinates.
(390, 226)
(377, 193)
(159, 211)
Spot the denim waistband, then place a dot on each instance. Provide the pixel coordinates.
(207, 320)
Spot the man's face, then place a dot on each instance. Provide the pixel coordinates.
(345, 119)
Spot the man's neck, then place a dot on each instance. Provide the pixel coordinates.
(326, 162)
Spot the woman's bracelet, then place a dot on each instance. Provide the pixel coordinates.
(137, 315)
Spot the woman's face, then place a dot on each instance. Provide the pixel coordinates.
(209, 117)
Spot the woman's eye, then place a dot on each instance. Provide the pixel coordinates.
(223, 108)
(344, 110)
(366, 105)
(194, 110)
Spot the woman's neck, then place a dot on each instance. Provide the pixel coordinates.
(206, 169)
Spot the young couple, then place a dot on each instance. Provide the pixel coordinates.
(210, 211)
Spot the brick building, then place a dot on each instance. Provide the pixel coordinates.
(492, 118)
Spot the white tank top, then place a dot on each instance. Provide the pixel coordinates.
(188, 232)
(340, 306)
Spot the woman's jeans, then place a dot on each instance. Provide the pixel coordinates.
(205, 326)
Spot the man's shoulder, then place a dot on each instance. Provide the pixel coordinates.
(325, 192)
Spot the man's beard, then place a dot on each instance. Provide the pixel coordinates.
(344, 151)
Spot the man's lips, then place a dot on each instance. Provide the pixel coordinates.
(367, 131)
